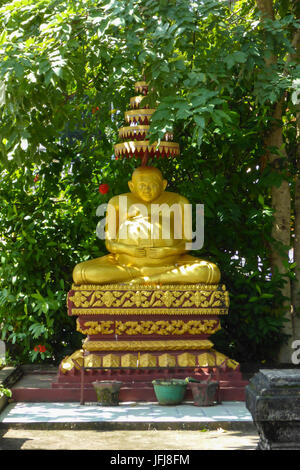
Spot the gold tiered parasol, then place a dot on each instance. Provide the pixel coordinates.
(134, 138)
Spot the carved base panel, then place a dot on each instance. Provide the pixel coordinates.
(167, 300)
(148, 359)
(158, 327)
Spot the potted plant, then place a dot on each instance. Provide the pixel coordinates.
(107, 392)
(169, 391)
(205, 392)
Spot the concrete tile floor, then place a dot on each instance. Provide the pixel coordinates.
(233, 412)
(129, 426)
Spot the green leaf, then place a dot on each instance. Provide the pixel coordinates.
(237, 57)
(200, 121)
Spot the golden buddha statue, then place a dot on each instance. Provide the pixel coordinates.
(148, 303)
(140, 251)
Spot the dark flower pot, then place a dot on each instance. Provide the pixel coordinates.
(107, 392)
(205, 393)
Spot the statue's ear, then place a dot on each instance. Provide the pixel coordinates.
(130, 184)
(165, 182)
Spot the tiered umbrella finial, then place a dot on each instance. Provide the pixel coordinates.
(134, 137)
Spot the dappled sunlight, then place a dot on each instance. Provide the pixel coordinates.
(125, 412)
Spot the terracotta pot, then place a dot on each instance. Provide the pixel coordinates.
(205, 393)
(107, 392)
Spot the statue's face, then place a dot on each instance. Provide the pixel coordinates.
(147, 187)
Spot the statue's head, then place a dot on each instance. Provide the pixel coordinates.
(147, 183)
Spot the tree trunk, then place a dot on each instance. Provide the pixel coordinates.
(281, 232)
(296, 282)
(281, 199)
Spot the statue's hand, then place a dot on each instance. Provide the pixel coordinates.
(118, 247)
(164, 251)
(156, 252)
(137, 252)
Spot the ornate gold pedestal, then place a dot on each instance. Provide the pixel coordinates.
(148, 326)
(139, 333)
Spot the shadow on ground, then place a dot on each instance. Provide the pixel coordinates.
(11, 443)
(17, 439)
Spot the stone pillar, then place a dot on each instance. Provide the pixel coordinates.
(273, 399)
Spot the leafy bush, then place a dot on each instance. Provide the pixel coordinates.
(5, 392)
(48, 225)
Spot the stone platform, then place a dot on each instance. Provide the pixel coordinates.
(128, 415)
(40, 385)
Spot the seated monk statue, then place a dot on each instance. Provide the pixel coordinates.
(146, 248)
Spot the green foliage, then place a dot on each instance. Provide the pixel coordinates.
(67, 71)
(56, 58)
(48, 224)
(5, 392)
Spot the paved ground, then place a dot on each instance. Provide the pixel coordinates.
(126, 416)
(130, 426)
(15, 439)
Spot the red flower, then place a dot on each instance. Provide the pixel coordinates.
(36, 178)
(94, 110)
(103, 188)
(41, 348)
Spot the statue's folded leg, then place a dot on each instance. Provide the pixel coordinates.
(104, 270)
(198, 270)
(188, 270)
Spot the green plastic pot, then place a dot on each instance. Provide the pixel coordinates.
(169, 392)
